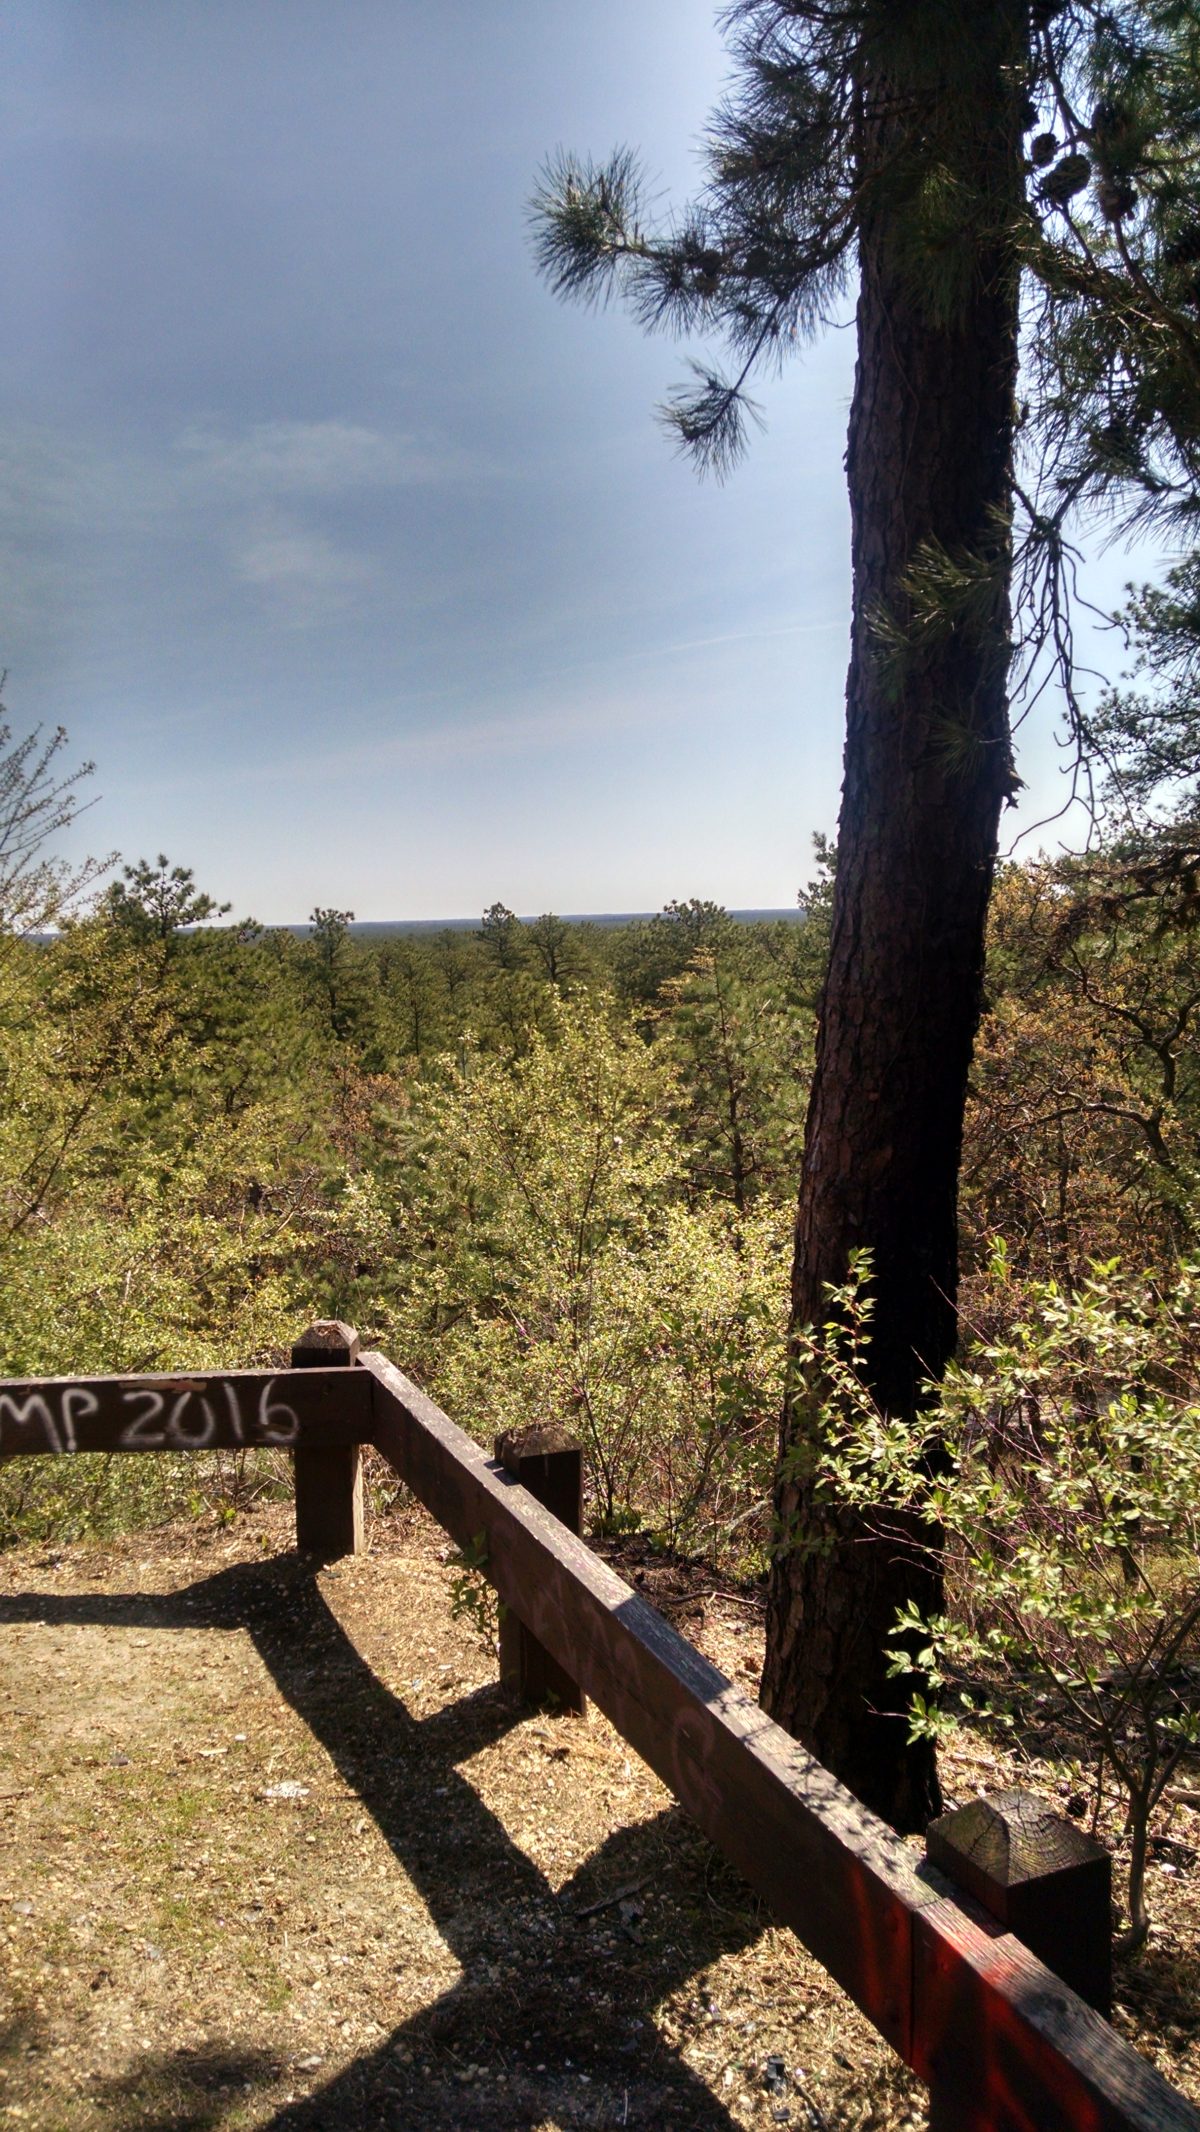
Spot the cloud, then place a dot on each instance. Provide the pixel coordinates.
(274, 486)
(307, 575)
(314, 459)
(263, 507)
(514, 730)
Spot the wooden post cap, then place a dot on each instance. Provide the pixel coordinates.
(541, 1439)
(996, 1844)
(546, 1459)
(1045, 1880)
(324, 1345)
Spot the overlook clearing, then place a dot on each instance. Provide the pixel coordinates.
(1001, 2040)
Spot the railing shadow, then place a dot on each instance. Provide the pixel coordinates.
(517, 2010)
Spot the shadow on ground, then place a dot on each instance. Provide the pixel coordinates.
(184, 2091)
(519, 2013)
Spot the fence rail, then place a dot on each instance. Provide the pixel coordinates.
(314, 1409)
(1002, 2041)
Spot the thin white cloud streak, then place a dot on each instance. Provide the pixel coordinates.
(326, 458)
(468, 741)
(66, 481)
(255, 505)
(307, 576)
(515, 733)
(736, 636)
(645, 653)
(259, 493)
(545, 729)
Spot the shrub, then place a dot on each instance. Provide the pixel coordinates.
(554, 1272)
(1060, 1469)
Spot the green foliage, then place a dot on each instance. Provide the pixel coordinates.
(651, 951)
(39, 799)
(155, 902)
(472, 1597)
(734, 1027)
(1084, 1123)
(166, 1195)
(551, 1168)
(1146, 734)
(503, 937)
(1060, 1470)
(553, 1273)
(1114, 356)
(565, 953)
(93, 1496)
(341, 982)
(210, 1135)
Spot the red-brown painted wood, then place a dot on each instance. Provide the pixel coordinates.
(1004, 2044)
(830, 1869)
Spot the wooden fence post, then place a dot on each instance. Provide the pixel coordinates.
(329, 1489)
(549, 1464)
(1041, 1877)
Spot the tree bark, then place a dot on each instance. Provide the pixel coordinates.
(928, 767)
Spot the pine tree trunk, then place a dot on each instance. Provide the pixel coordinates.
(927, 769)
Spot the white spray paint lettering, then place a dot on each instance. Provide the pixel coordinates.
(78, 1402)
(168, 1417)
(186, 1420)
(36, 1410)
(32, 1412)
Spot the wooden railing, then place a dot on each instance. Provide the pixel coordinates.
(1002, 2041)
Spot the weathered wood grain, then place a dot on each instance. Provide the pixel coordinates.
(1004, 2044)
(830, 1869)
(204, 1411)
(1041, 1877)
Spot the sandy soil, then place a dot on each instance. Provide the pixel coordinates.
(275, 1850)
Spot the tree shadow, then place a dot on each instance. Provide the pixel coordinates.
(552, 2015)
(183, 2091)
(20, 2031)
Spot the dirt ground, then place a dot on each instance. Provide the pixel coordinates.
(276, 1851)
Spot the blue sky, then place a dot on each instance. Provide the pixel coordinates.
(355, 561)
